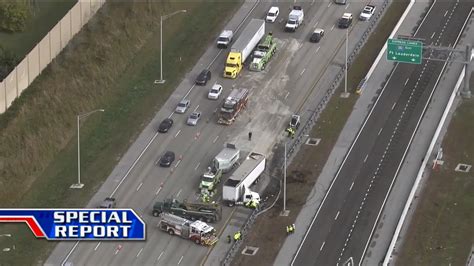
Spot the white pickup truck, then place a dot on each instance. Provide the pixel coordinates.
(295, 18)
(367, 12)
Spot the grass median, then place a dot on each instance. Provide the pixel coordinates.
(111, 64)
(441, 231)
(310, 160)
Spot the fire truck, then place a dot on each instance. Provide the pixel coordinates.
(233, 104)
(199, 232)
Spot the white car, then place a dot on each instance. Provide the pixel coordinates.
(183, 105)
(215, 92)
(193, 119)
(367, 12)
(272, 14)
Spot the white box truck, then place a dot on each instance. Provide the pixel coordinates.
(295, 19)
(243, 47)
(237, 188)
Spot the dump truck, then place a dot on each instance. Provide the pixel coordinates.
(232, 105)
(295, 18)
(243, 47)
(265, 50)
(210, 213)
(210, 180)
(199, 232)
(236, 189)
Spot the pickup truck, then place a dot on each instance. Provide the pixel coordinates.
(295, 19)
(367, 12)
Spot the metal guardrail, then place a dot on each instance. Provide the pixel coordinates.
(295, 144)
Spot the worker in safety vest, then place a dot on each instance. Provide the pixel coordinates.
(237, 236)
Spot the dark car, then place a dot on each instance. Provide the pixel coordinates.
(317, 35)
(203, 77)
(165, 125)
(346, 21)
(108, 203)
(167, 159)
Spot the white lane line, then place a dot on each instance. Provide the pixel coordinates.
(180, 260)
(329, 4)
(286, 96)
(158, 191)
(177, 163)
(351, 186)
(316, 24)
(159, 257)
(196, 108)
(432, 35)
(337, 215)
(380, 131)
(312, 2)
(139, 252)
(322, 246)
(96, 247)
(195, 168)
(214, 141)
(317, 49)
(139, 186)
(179, 131)
(446, 13)
(215, 110)
(407, 81)
(393, 106)
(347, 5)
(332, 27)
(302, 72)
(365, 159)
(179, 192)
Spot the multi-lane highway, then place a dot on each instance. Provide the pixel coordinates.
(343, 225)
(276, 93)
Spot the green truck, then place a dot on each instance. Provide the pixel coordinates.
(209, 213)
(210, 180)
(264, 52)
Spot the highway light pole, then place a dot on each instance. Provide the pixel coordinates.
(79, 184)
(346, 94)
(163, 18)
(285, 212)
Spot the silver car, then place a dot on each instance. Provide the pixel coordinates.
(193, 118)
(183, 106)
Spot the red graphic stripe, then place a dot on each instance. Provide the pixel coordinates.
(34, 226)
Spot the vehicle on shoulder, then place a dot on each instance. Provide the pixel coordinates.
(272, 14)
(183, 106)
(317, 35)
(167, 159)
(193, 118)
(203, 77)
(345, 21)
(165, 125)
(215, 92)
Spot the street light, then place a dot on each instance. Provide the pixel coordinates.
(285, 212)
(163, 18)
(346, 94)
(79, 184)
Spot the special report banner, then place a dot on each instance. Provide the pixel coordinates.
(79, 224)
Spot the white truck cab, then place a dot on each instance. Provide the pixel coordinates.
(224, 39)
(295, 18)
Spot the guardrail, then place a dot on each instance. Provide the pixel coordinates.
(295, 144)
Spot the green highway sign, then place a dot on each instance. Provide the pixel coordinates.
(404, 51)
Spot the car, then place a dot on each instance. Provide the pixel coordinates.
(345, 21)
(182, 106)
(340, 2)
(272, 14)
(367, 12)
(295, 121)
(215, 92)
(167, 159)
(108, 203)
(203, 77)
(165, 125)
(193, 118)
(317, 35)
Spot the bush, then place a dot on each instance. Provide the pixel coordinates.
(13, 16)
(8, 62)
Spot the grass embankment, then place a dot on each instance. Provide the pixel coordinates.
(44, 15)
(111, 64)
(441, 231)
(309, 161)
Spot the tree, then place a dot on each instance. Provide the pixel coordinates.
(13, 15)
(8, 62)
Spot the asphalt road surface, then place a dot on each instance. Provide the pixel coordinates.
(344, 223)
(275, 94)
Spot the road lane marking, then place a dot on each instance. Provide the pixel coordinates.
(139, 252)
(332, 27)
(337, 215)
(406, 81)
(179, 131)
(432, 35)
(347, 5)
(446, 13)
(316, 24)
(329, 4)
(393, 106)
(302, 72)
(214, 141)
(179, 192)
(286, 96)
(158, 191)
(380, 131)
(159, 257)
(180, 260)
(322, 246)
(351, 186)
(196, 108)
(317, 49)
(177, 163)
(139, 186)
(96, 247)
(195, 168)
(365, 159)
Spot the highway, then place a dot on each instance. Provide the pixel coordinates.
(276, 93)
(343, 225)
